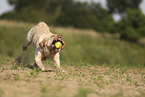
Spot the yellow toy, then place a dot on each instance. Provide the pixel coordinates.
(58, 45)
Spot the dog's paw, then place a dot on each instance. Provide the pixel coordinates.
(48, 70)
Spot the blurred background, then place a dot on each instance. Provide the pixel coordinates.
(95, 31)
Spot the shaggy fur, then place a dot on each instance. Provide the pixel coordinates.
(42, 40)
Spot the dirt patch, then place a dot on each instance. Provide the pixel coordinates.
(77, 81)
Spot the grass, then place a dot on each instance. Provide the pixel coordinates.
(81, 45)
(77, 81)
(16, 77)
(1, 92)
(95, 66)
(82, 92)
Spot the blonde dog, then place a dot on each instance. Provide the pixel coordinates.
(43, 42)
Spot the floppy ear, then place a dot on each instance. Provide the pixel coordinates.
(42, 43)
(63, 44)
(54, 37)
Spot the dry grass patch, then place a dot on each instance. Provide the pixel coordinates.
(77, 81)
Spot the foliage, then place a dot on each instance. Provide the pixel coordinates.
(132, 28)
(22, 4)
(62, 12)
(121, 6)
(83, 15)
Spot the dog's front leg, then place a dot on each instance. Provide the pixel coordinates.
(57, 61)
(38, 57)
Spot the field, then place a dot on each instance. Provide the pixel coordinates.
(96, 65)
(83, 80)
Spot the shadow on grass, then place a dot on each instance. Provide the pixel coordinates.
(21, 61)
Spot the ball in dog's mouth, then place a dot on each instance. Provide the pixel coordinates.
(58, 45)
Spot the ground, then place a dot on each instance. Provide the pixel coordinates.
(82, 80)
(91, 74)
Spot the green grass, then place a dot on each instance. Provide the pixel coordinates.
(80, 46)
(95, 66)
(83, 92)
(16, 77)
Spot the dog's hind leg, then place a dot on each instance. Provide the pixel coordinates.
(28, 39)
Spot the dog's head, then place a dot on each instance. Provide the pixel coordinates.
(55, 39)
(50, 44)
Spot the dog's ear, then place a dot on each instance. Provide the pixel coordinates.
(63, 44)
(42, 43)
(54, 37)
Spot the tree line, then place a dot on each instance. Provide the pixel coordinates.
(83, 15)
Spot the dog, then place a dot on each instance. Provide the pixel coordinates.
(43, 43)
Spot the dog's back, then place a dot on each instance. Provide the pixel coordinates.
(40, 32)
(41, 28)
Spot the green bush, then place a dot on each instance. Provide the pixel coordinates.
(132, 28)
(130, 34)
(62, 13)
